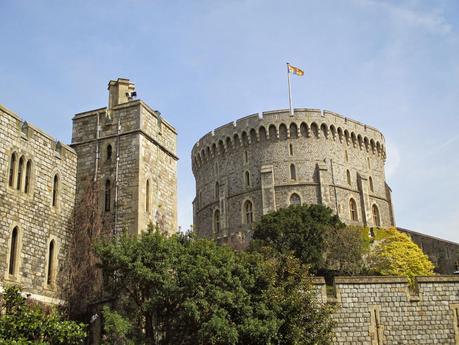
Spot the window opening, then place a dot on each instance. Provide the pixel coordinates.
(13, 251)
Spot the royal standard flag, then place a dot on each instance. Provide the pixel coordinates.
(295, 70)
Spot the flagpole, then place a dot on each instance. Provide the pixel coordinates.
(289, 90)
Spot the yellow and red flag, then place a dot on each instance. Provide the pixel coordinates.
(295, 70)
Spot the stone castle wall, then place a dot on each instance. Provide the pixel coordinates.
(126, 147)
(26, 203)
(384, 311)
(335, 159)
(146, 147)
(443, 254)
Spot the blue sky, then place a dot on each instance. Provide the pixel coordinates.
(390, 64)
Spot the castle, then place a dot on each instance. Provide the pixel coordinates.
(243, 170)
(127, 148)
(261, 163)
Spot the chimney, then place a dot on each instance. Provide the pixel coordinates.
(120, 91)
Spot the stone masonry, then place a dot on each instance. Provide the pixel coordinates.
(385, 311)
(267, 161)
(26, 204)
(127, 148)
(130, 150)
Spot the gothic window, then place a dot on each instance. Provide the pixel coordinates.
(292, 172)
(348, 175)
(20, 173)
(370, 182)
(109, 152)
(217, 221)
(147, 197)
(55, 189)
(247, 179)
(107, 199)
(376, 218)
(12, 167)
(295, 199)
(12, 269)
(217, 190)
(353, 210)
(248, 212)
(27, 176)
(51, 263)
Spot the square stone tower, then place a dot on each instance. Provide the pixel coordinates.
(129, 150)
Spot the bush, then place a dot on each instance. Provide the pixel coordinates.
(23, 322)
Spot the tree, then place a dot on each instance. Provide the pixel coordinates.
(23, 322)
(82, 280)
(182, 290)
(396, 254)
(344, 251)
(301, 230)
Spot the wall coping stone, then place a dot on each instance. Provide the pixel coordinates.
(318, 280)
(37, 130)
(371, 280)
(438, 279)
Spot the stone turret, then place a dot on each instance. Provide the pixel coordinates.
(131, 152)
(120, 91)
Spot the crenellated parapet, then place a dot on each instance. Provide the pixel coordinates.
(263, 162)
(279, 125)
(30, 132)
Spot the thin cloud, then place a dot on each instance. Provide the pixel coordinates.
(432, 21)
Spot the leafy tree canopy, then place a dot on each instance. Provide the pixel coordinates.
(301, 230)
(23, 323)
(396, 254)
(181, 290)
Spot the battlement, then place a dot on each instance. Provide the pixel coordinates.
(281, 125)
(30, 131)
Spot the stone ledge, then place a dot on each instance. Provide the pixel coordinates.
(318, 280)
(371, 280)
(437, 279)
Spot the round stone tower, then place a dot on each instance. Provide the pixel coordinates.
(264, 162)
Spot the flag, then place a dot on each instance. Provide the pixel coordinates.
(295, 70)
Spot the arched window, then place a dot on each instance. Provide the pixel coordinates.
(353, 210)
(27, 176)
(248, 212)
(109, 152)
(107, 198)
(51, 263)
(217, 221)
(12, 167)
(20, 172)
(247, 179)
(295, 199)
(55, 189)
(292, 171)
(147, 196)
(12, 269)
(370, 182)
(376, 218)
(217, 190)
(348, 175)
